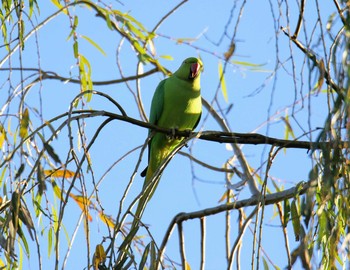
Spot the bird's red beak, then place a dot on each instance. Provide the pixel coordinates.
(195, 67)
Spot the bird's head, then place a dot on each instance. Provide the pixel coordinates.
(190, 69)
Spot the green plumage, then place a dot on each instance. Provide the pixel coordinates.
(176, 104)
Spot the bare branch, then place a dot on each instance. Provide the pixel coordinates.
(285, 233)
(203, 229)
(311, 55)
(182, 245)
(300, 19)
(299, 189)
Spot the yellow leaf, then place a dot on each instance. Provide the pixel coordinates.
(222, 82)
(24, 124)
(187, 266)
(288, 128)
(83, 203)
(230, 51)
(59, 6)
(99, 256)
(223, 197)
(107, 219)
(60, 173)
(2, 135)
(167, 57)
(321, 76)
(58, 192)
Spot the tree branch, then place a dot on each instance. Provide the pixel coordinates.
(299, 189)
(44, 75)
(312, 56)
(228, 137)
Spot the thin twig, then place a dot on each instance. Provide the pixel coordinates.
(182, 245)
(203, 233)
(311, 55)
(228, 226)
(285, 233)
(240, 232)
(300, 19)
(340, 12)
(299, 189)
(237, 244)
(272, 155)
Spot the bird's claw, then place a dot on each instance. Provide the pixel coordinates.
(172, 134)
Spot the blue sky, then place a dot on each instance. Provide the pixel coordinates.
(180, 190)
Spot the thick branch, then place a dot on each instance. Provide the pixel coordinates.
(255, 138)
(231, 137)
(216, 136)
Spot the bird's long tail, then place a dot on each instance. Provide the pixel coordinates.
(149, 186)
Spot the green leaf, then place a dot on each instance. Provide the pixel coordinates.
(93, 43)
(266, 266)
(288, 128)
(247, 64)
(25, 217)
(76, 21)
(295, 220)
(20, 171)
(222, 82)
(24, 124)
(75, 49)
(144, 257)
(154, 254)
(52, 152)
(41, 179)
(108, 19)
(49, 241)
(128, 239)
(3, 171)
(286, 212)
(15, 204)
(24, 240)
(85, 76)
(31, 7)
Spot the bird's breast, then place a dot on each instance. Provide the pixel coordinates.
(182, 107)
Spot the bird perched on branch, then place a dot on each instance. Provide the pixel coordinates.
(176, 104)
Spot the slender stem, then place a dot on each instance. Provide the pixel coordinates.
(203, 229)
(182, 245)
(285, 234)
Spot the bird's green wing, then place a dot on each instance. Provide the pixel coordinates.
(156, 112)
(196, 124)
(157, 104)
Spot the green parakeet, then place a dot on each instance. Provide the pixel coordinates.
(176, 104)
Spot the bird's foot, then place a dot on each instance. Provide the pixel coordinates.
(172, 134)
(188, 132)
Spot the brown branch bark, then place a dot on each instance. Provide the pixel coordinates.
(299, 189)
